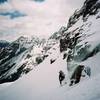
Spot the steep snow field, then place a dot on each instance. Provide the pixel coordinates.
(43, 80)
(42, 83)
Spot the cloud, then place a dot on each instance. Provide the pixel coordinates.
(39, 0)
(13, 14)
(42, 19)
(3, 1)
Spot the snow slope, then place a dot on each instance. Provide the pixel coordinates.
(41, 81)
(18, 57)
(42, 84)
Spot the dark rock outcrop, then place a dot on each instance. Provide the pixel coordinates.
(76, 76)
(90, 7)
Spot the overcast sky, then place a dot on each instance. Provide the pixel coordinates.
(34, 17)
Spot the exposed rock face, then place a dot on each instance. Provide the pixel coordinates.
(52, 61)
(17, 58)
(82, 37)
(23, 54)
(76, 76)
(14, 76)
(90, 7)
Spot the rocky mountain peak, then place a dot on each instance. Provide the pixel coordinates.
(90, 7)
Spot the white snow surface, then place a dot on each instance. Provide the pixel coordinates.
(42, 83)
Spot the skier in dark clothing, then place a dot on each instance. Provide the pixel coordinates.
(61, 77)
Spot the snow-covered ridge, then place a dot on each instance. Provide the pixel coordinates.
(82, 35)
(23, 54)
(19, 57)
(89, 8)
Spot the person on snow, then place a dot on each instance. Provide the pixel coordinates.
(61, 76)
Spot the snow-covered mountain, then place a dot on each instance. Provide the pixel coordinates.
(23, 54)
(74, 49)
(3, 43)
(19, 58)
